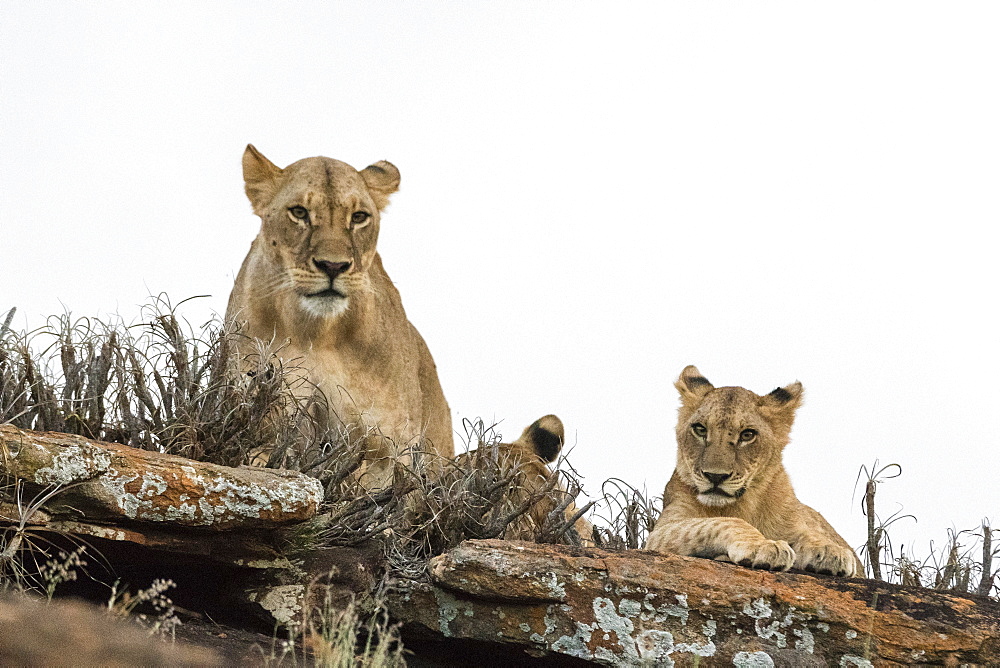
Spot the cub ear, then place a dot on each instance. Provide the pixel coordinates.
(545, 436)
(260, 178)
(787, 398)
(382, 180)
(692, 385)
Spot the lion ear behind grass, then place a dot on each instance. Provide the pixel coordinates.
(544, 436)
(260, 177)
(382, 179)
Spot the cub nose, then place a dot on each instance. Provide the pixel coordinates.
(716, 478)
(332, 269)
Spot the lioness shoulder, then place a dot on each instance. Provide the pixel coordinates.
(730, 496)
(314, 283)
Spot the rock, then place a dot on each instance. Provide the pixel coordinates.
(108, 483)
(220, 533)
(631, 608)
(251, 548)
(229, 540)
(326, 579)
(73, 633)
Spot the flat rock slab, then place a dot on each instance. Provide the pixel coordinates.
(640, 608)
(108, 483)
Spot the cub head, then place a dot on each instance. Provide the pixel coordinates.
(728, 438)
(539, 444)
(533, 485)
(319, 226)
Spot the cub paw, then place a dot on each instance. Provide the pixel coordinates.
(826, 559)
(772, 555)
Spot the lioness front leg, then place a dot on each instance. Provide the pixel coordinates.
(715, 536)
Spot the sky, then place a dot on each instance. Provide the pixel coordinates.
(594, 195)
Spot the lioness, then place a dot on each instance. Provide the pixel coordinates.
(730, 496)
(313, 279)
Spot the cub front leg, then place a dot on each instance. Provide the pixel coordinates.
(820, 549)
(717, 536)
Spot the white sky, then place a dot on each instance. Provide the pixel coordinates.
(594, 195)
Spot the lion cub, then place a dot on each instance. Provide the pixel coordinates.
(538, 445)
(730, 496)
(313, 282)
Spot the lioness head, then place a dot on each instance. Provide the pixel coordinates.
(319, 226)
(728, 438)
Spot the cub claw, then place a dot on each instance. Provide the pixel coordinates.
(825, 559)
(771, 555)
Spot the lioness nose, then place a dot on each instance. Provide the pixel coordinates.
(332, 269)
(716, 478)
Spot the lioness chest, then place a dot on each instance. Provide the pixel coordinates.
(367, 390)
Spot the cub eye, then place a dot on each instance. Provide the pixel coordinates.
(748, 435)
(359, 217)
(699, 429)
(299, 213)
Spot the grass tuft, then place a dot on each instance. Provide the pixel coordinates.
(627, 516)
(963, 564)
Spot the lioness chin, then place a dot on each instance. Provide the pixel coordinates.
(730, 497)
(313, 282)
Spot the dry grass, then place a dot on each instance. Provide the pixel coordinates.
(336, 636)
(158, 384)
(29, 560)
(485, 493)
(963, 564)
(627, 516)
(163, 385)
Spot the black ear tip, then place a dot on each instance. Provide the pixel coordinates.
(547, 444)
(781, 395)
(692, 380)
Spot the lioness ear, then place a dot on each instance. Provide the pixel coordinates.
(260, 178)
(545, 437)
(788, 397)
(382, 180)
(692, 385)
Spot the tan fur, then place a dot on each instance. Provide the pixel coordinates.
(349, 333)
(539, 444)
(749, 514)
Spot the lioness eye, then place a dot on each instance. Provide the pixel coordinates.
(359, 217)
(699, 429)
(748, 434)
(299, 212)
